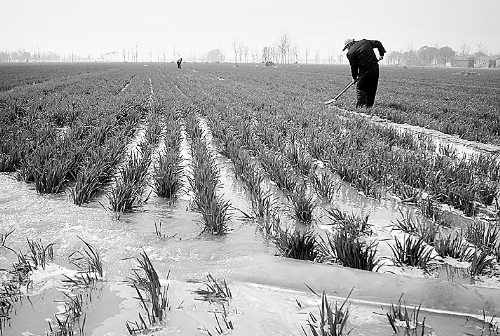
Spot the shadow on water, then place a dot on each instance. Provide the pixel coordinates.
(451, 273)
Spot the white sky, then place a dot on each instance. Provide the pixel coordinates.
(197, 26)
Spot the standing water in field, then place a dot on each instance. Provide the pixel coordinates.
(170, 236)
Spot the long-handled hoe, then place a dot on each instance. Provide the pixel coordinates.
(334, 100)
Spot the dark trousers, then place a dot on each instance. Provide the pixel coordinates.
(179, 65)
(366, 87)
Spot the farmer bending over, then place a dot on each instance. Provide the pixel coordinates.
(364, 68)
(179, 61)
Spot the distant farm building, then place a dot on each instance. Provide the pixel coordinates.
(462, 62)
(497, 63)
(482, 62)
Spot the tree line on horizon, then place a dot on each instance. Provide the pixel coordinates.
(284, 51)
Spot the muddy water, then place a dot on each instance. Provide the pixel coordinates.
(263, 303)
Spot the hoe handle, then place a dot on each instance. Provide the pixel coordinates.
(345, 89)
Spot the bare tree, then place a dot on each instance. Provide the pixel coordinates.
(481, 49)
(266, 54)
(307, 54)
(295, 53)
(245, 51)
(340, 58)
(235, 49)
(317, 57)
(284, 47)
(255, 55)
(240, 50)
(464, 50)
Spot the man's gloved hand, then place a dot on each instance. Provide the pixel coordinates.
(354, 80)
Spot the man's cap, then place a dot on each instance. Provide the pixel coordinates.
(347, 42)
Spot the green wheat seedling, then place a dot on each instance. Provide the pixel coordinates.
(215, 290)
(483, 235)
(253, 179)
(4, 236)
(263, 204)
(136, 169)
(270, 225)
(223, 329)
(298, 158)
(325, 185)
(124, 197)
(7, 162)
(408, 194)
(431, 209)
(153, 131)
(62, 326)
(332, 320)
(369, 187)
(344, 247)
(411, 252)
(241, 159)
(400, 319)
(173, 138)
(160, 234)
(65, 322)
(452, 244)
(38, 255)
(168, 174)
(88, 261)
(488, 324)
(151, 294)
(424, 229)
(9, 296)
(481, 262)
(275, 166)
(51, 177)
(215, 216)
(87, 185)
(93, 176)
(302, 204)
(296, 244)
(354, 224)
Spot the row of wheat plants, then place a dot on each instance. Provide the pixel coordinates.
(168, 173)
(204, 180)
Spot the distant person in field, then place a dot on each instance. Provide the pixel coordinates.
(179, 62)
(364, 68)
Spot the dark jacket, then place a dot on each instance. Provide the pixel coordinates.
(362, 58)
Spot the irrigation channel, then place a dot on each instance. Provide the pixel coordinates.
(236, 283)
